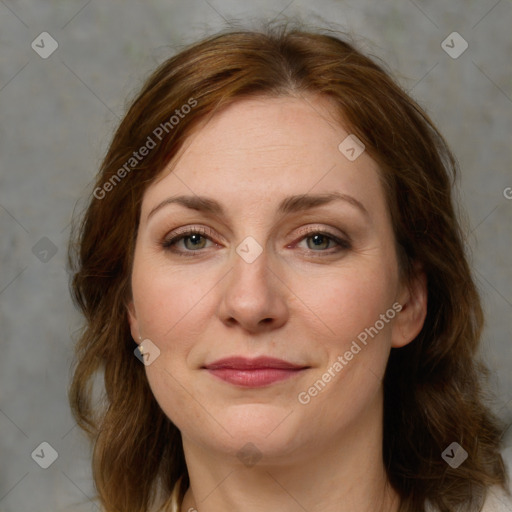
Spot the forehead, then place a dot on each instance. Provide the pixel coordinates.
(262, 130)
(265, 148)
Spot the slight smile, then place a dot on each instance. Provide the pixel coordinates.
(253, 373)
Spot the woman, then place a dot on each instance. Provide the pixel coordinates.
(272, 231)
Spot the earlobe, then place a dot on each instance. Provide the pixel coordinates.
(409, 321)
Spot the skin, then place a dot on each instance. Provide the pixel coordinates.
(298, 301)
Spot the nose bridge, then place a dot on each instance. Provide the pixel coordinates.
(252, 295)
(251, 276)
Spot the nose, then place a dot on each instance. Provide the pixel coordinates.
(254, 296)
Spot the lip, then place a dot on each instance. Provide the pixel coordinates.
(258, 363)
(258, 372)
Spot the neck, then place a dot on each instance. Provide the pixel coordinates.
(345, 474)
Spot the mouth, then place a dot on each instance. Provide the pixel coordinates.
(259, 372)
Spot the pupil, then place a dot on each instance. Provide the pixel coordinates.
(318, 240)
(195, 240)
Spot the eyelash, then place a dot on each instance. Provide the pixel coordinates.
(168, 243)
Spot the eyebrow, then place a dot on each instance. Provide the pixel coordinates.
(291, 204)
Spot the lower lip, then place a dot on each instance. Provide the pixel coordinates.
(254, 378)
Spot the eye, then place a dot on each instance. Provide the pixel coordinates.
(194, 239)
(321, 241)
(188, 241)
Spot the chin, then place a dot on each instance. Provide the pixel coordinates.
(269, 428)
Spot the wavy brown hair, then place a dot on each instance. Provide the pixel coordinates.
(433, 392)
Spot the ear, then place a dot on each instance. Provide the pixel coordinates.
(410, 319)
(132, 320)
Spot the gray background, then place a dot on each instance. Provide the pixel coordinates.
(58, 114)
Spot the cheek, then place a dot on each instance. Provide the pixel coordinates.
(347, 302)
(169, 303)
(175, 396)
(173, 309)
(356, 352)
(356, 338)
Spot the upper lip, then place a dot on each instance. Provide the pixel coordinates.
(243, 363)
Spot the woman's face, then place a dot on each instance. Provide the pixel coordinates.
(291, 258)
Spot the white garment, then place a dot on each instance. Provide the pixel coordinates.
(497, 501)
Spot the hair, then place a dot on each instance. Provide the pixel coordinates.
(433, 387)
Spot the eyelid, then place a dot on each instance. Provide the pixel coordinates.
(210, 232)
(187, 230)
(342, 241)
(327, 231)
